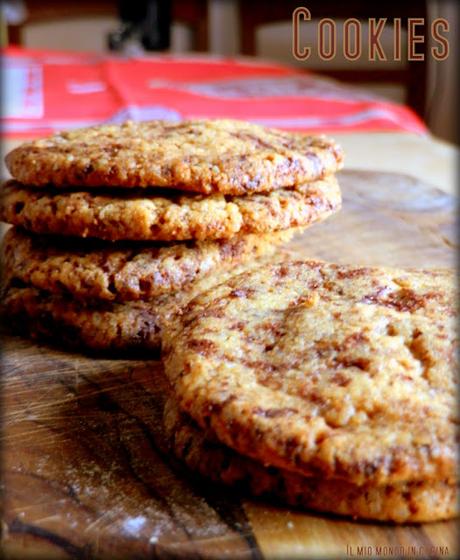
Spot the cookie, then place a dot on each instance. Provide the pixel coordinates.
(327, 370)
(87, 269)
(221, 156)
(106, 325)
(406, 502)
(147, 216)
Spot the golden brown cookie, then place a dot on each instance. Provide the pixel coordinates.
(220, 156)
(104, 326)
(407, 502)
(146, 216)
(88, 269)
(327, 370)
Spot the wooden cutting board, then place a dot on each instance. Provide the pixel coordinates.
(84, 471)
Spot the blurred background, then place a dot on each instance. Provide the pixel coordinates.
(256, 28)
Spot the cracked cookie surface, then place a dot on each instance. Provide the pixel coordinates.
(220, 156)
(327, 370)
(87, 269)
(169, 217)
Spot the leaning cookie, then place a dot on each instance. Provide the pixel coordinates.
(220, 156)
(151, 215)
(89, 269)
(400, 503)
(332, 371)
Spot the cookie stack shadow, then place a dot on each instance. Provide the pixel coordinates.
(116, 228)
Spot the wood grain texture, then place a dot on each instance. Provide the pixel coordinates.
(84, 469)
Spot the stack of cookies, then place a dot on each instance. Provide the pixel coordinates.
(330, 387)
(117, 227)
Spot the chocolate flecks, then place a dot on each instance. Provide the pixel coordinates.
(340, 379)
(344, 274)
(204, 347)
(358, 363)
(336, 354)
(241, 293)
(313, 285)
(316, 398)
(255, 140)
(355, 339)
(404, 299)
(238, 326)
(414, 508)
(274, 412)
(190, 317)
(318, 202)
(268, 375)
(391, 330)
(377, 296)
(307, 300)
(229, 249)
(408, 300)
(283, 271)
(418, 348)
